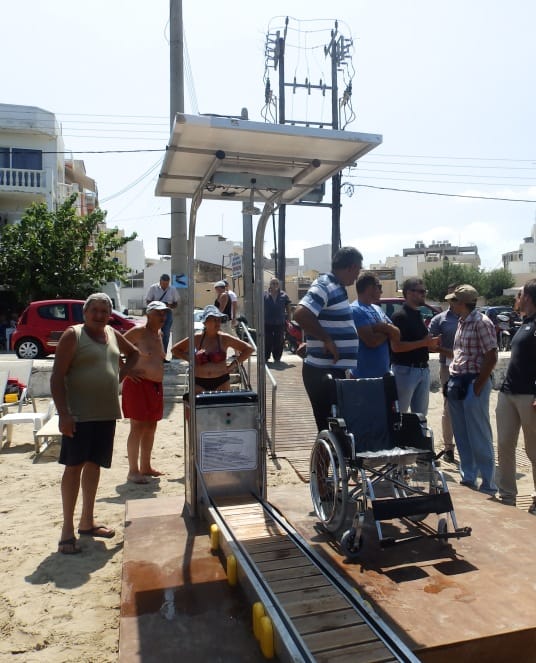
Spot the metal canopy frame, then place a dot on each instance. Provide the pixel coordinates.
(228, 159)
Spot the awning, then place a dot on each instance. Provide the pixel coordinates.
(234, 156)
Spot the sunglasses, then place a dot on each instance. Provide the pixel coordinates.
(420, 290)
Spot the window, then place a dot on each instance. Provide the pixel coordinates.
(78, 313)
(21, 160)
(53, 312)
(26, 159)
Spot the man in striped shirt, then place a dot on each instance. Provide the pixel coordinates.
(325, 315)
(469, 388)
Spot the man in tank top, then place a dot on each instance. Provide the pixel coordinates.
(85, 389)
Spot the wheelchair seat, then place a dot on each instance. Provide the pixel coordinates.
(374, 455)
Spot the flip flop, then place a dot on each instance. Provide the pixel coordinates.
(69, 547)
(100, 531)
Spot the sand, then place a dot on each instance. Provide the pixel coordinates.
(66, 608)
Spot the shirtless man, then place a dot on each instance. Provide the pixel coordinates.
(143, 401)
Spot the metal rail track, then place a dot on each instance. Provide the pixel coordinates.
(316, 614)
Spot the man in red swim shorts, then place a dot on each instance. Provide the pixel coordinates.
(142, 398)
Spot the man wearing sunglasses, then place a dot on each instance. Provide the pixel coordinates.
(411, 352)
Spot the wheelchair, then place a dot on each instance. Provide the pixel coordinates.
(374, 457)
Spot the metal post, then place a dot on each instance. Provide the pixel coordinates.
(247, 262)
(179, 257)
(336, 180)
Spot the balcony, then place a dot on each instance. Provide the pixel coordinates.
(22, 179)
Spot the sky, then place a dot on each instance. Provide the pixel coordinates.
(449, 85)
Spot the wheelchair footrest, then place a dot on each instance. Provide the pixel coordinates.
(459, 532)
(402, 507)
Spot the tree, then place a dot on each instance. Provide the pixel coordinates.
(489, 285)
(58, 254)
(495, 282)
(438, 280)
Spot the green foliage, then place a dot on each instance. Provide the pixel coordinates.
(489, 285)
(496, 281)
(58, 254)
(438, 280)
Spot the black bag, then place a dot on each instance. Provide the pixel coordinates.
(457, 386)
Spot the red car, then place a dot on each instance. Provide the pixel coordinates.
(42, 323)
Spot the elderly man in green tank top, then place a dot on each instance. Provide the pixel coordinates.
(85, 389)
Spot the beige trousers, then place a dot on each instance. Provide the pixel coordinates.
(514, 412)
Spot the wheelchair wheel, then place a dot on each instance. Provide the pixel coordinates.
(442, 529)
(349, 545)
(329, 481)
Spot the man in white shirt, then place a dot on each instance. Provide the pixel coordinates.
(164, 292)
(234, 303)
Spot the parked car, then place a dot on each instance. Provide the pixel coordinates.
(391, 305)
(42, 323)
(198, 319)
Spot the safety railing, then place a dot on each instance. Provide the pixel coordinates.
(244, 331)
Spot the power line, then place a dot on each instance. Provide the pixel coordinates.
(449, 195)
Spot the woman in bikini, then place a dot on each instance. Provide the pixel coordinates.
(211, 367)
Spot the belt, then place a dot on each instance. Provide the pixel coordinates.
(422, 364)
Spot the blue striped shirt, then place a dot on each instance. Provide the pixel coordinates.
(328, 301)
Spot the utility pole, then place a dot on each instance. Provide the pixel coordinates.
(179, 247)
(336, 179)
(280, 257)
(338, 51)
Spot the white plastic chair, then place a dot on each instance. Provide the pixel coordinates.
(22, 370)
(35, 418)
(3, 383)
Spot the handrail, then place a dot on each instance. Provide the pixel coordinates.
(245, 330)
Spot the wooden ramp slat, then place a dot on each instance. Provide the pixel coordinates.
(337, 638)
(326, 621)
(323, 616)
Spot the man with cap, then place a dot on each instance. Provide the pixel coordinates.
(234, 302)
(469, 389)
(164, 292)
(143, 398)
(223, 303)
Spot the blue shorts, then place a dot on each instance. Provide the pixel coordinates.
(93, 442)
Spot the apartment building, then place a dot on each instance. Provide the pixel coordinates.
(33, 167)
(522, 263)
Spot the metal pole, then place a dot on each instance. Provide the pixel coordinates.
(247, 263)
(179, 252)
(281, 256)
(336, 180)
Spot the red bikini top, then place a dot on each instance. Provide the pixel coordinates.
(203, 357)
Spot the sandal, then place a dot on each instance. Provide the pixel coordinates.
(69, 546)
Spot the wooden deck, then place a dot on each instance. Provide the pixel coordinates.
(296, 429)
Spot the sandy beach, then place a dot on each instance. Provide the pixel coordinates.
(66, 608)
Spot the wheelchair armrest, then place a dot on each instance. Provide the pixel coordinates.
(414, 432)
(336, 424)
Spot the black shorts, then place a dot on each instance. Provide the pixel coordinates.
(212, 384)
(93, 442)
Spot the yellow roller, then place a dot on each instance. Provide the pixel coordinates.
(232, 576)
(267, 637)
(257, 613)
(214, 537)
